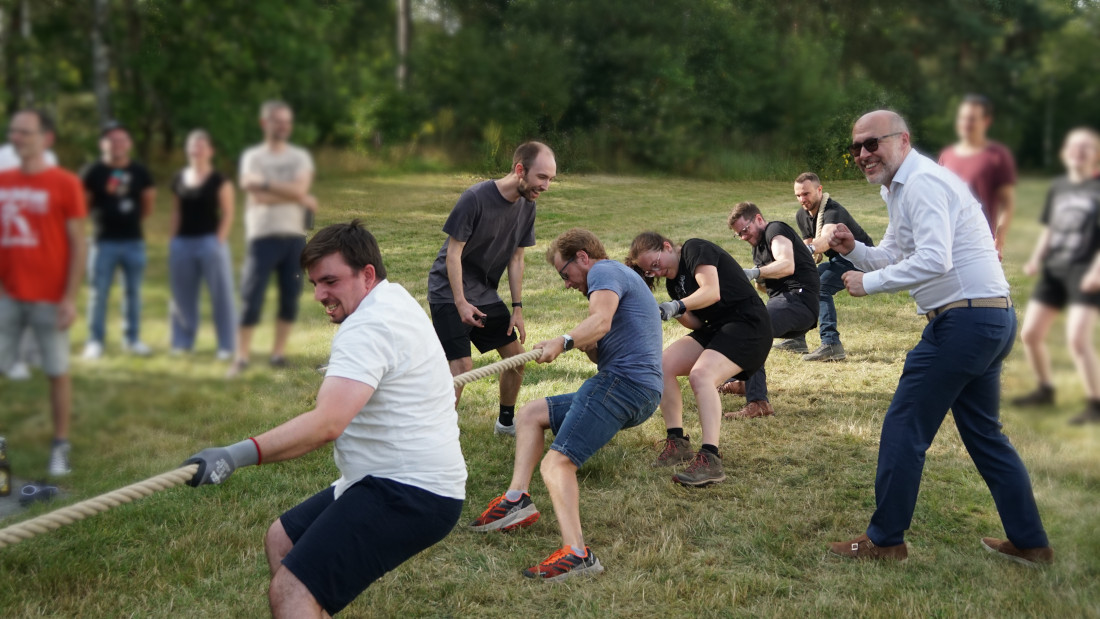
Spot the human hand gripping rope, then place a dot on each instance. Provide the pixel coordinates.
(210, 466)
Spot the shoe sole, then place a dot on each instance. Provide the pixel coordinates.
(830, 358)
(1003, 555)
(700, 483)
(518, 520)
(502, 430)
(588, 570)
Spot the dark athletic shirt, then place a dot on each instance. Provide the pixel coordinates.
(1072, 213)
(199, 210)
(738, 299)
(116, 199)
(833, 213)
(804, 279)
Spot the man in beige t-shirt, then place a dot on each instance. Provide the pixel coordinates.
(276, 178)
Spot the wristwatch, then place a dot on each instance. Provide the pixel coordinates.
(568, 341)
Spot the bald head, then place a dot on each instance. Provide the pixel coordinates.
(880, 143)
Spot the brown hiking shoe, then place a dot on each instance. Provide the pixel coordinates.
(1031, 557)
(752, 410)
(675, 451)
(704, 469)
(863, 548)
(732, 387)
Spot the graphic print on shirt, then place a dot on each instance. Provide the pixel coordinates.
(118, 184)
(1071, 227)
(15, 206)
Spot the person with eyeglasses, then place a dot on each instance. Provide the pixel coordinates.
(730, 336)
(938, 247)
(488, 230)
(1067, 259)
(987, 166)
(819, 214)
(786, 267)
(622, 336)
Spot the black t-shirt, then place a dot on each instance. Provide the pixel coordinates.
(833, 213)
(116, 199)
(804, 279)
(1072, 214)
(199, 208)
(738, 300)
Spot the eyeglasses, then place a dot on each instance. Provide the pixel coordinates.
(656, 266)
(871, 144)
(744, 230)
(565, 266)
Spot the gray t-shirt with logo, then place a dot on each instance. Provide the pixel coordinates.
(492, 228)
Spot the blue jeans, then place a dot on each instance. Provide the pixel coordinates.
(584, 421)
(957, 366)
(104, 257)
(831, 283)
(192, 259)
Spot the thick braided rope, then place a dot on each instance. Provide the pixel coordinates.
(79, 511)
(498, 367)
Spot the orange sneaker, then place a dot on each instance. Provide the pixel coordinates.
(564, 564)
(504, 515)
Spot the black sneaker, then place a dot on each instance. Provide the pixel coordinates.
(1091, 414)
(1042, 396)
(504, 515)
(564, 564)
(793, 344)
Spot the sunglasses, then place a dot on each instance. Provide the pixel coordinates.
(871, 144)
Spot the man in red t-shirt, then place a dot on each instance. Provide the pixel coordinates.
(986, 166)
(42, 211)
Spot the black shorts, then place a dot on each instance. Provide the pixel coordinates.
(342, 546)
(739, 342)
(456, 335)
(1058, 289)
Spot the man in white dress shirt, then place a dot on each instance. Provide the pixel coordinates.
(937, 245)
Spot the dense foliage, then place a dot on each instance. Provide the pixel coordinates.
(687, 86)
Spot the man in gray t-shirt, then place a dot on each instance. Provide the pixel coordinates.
(487, 232)
(622, 336)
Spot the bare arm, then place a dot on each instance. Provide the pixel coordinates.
(709, 292)
(821, 243)
(515, 288)
(783, 265)
(1041, 247)
(278, 192)
(148, 199)
(338, 401)
(78, 250)
(174, 217)
(601, 309)
(226, 206)
(466, 312)
(1006, 207)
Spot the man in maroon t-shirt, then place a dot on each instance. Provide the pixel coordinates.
(987, 166)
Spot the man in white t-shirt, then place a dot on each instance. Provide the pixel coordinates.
(28, 350)
(388, 404)
(275, 176)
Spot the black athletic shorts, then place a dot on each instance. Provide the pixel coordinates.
(456, 336)
(342, 546)
(1058, 289)
(739, 342)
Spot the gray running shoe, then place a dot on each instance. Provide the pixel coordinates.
(827, 352)
(59, 460)
(704, 469)
(507, 430)
(793, 344)
(676, 451)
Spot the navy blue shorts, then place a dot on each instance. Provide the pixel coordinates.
(273, 254)
(342, 546)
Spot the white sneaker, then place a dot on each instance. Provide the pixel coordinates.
(500, 428)
(59, 460)
(178, 352)
(19, 371)
(224, 355)
(139, 348)
(92, 351)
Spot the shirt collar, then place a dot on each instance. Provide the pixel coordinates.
(904, 170)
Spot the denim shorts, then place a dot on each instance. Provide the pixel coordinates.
(584, 421)
(41, 318)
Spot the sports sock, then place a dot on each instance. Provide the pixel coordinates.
(513, 495)
(711, 448)
(675, 432)
(507, 414)
(580, 552)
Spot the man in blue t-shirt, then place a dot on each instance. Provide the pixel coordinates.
(622, 336)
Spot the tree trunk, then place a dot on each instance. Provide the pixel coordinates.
(101, 61)
(404, 18)
(26, 77)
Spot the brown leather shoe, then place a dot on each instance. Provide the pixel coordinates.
(863, 548)
(752, 410)
(732, 387)
(1031, 557)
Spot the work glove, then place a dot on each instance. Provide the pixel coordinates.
(671, 309)
(216, 464)
(752, 273)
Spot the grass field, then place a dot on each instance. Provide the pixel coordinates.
(752, 546)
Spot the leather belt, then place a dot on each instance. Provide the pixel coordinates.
(993, 302)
